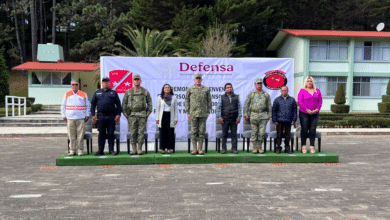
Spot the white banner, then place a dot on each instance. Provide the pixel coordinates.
(179, 73)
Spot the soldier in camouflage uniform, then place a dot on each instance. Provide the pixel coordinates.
(257, 111)
(198, 106)
(137, 106)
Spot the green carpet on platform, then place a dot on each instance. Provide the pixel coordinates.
(183, 157)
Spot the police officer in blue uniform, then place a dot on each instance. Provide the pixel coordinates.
(108, 113)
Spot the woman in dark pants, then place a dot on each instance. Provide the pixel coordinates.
(310, 102)
(166, 118)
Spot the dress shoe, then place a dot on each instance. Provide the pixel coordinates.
(288, 151)
(99, 153)
(278, 150)
(223, 152)
(113, 153)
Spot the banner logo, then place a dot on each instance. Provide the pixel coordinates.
(121, 80)
(275, 79)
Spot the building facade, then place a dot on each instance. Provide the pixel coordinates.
(359, 60)
(50, 77)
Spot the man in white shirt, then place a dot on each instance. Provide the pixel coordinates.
(75, 110)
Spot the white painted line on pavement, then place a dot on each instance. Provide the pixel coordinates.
(336, 190)
(112, 175)
(327, 190)
(26, 196)
(272, 183)
(19, 181)
(214, 183)
(358, 163)
(320, 190)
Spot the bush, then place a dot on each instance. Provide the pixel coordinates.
(384, 107)
(339, 108)
(388, 88)
(36, 107)
(386, 98)
(31, 99)
(339, 99)
(340, 95)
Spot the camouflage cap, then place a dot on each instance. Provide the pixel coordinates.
(258, 80)
(136, 76)
(198, 75)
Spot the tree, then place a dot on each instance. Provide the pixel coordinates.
(218, 43)
(340, 95)
(53, 27)
(149, 43)
(384, 106)
(339, 99)
(34, 30)
(4, 84)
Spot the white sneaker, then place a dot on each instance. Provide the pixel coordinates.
(71, 153)
(80, 153)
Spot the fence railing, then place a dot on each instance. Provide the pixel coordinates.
(13, 104)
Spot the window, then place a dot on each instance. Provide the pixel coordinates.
(328, 50)
(328, 85)
(372, 50)
(369, 86)
(48, 78)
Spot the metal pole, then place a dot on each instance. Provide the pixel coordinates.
(25, 106)
(19, 104)
(6, 106)
(13, 106)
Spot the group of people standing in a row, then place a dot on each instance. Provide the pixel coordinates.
(137, 106)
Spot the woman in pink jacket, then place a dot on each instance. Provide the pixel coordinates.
(310, 102)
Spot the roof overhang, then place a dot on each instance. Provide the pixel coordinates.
(323, 33)
(82, 67)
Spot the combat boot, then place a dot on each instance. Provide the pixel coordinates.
(200, 146)
(139, 151)
(254, 145)
(259, 147)
(134, 146)
(195, 148)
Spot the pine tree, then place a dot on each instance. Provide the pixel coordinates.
(388, 88)
(339, 99)
(340, 95)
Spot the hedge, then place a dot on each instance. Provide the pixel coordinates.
(16, 110)
(356, 122)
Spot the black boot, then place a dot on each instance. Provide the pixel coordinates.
(278, 150)
(288, 150)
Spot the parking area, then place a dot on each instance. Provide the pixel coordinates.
(358, 187)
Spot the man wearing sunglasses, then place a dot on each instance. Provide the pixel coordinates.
(75, 112)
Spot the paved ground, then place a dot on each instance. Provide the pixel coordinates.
(31, 187)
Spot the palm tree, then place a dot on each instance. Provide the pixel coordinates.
(149, 43)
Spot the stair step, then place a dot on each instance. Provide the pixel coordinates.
(32, 124)
(9, 121)
(47, 112)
